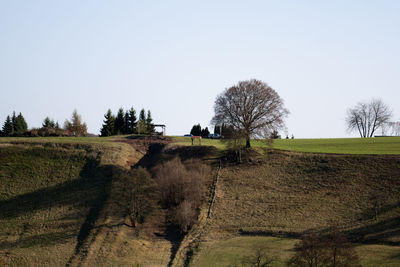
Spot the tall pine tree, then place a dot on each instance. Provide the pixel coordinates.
(132, 123)
(126, 123)
(196, 130)
(48, 123)
(119, 122)
(20, 125)
(149, 123)
(8, 127)
(108, 126)
(13, 121)
(142, 122)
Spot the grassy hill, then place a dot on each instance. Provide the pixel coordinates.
(274, 201)
(63, 201)
(51, 195)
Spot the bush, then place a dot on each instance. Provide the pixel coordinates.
(331, 250)
(185, 215)
(182, 188)
(44, 132)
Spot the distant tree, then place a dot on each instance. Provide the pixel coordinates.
(316, 250)
(205, 132)
(126, 123)
(393, 128)
(119, 122)
(366, 118)
(76, 126)
(49, 123)
(132, 123)
(13, 121)
(20, 125)
(196, 130)
(142, 129)
(292, 136)
(217, 129)
(149, 123)
(258, 258)
(108, 127)
(8, 127)
(251, 107)
(228, 132)
(275, 135)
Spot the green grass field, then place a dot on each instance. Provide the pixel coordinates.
(233, 251)
(381, 145)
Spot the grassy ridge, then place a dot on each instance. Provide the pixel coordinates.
(381, 145)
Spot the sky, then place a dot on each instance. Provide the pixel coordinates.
(175, 57)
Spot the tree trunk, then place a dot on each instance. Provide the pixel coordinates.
(248, 141)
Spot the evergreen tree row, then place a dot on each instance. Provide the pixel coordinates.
(126, 122)
(197, 131)
(14, 125)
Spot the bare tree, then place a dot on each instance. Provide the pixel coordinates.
(366, 118)
(316, 250)
(252, 107)
(259, 258)
(392, 128)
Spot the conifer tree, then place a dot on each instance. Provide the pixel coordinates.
(196, 130)
(48, 123)
(142, 122)
(217, 129)
(119, 122)
(20, 125)
(205, 132)
(132, 123)
(8, 127)
(126, 123)
(13, 121)
(149, 123)
(108, 126)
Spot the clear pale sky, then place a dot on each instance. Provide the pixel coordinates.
(175, 57)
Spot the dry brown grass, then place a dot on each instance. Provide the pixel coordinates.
(297, 192)
(292, 193)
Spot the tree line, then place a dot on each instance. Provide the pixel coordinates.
(198, 131)
(126, 122)
(16, 126)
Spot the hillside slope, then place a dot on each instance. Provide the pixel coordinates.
(291, 193)
(51, 195)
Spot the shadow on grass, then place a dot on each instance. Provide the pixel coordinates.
(78, 192)
(175, 237)
(89, 193)
(41, 240)
(377, 233)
